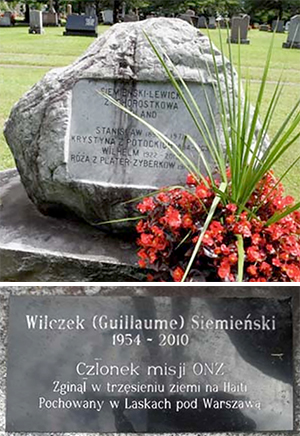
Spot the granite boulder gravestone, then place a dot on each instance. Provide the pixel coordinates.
(76, 151)
(293, 39)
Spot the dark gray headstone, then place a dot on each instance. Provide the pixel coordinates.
(293, 39)
(202, 23)
(81, 25)
(5, 20)
(278, 26)
(131, 16)
(134, 364)
(239, 29)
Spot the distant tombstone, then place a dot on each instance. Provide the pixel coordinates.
(189, 16)
(287, 26)
(264, 28)
(202, 23)
(36, 22)
(108, 16)
(69, 9)
(278, 26)
(50, 19)
(5, 21)
(211, 23)
(221, 23)
(190, 12)
(186, 17)
(90, 10)
(293, 39)
(81, 25)
(87, 156)
(131, 16)
(123, 13)
(239, 29)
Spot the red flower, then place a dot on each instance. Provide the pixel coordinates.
(207, 239)
(142, 263)
(178, 273)
(142, 254)
(265, 268)
(216, 227)
(255, 255)
(187, 221)
(146, 239)
(293, 272)
(141, 226)
(224, 269)
(190, 180)
(163, 197)
(233, 258)
(172, 218)
(147, 205)
(231, 207)
(252, 270)
(202, 191)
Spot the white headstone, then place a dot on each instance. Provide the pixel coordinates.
(293, 40)
(36, 22)
(108, 16)
(211, 22)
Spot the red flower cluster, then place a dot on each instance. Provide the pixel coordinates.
(174, 219)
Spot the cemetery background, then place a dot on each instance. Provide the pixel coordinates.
(24, 59)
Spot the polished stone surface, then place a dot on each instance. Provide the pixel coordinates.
(116, 149)
(252, 367)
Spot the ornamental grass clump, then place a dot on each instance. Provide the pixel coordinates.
(231, 221)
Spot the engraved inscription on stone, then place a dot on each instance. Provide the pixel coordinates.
(135, 364)
(106, 145)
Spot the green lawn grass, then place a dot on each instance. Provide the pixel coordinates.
(25, 58)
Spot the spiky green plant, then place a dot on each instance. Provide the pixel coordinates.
(241, 145)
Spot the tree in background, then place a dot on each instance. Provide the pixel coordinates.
(268, 10)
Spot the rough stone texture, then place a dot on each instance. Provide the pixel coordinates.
(37, 248)
(38, 125)
(205, 291)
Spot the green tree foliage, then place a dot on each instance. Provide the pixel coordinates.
(266, 10)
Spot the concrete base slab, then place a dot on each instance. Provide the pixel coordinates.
(291, 45)
(34, 247)
(236, 41)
